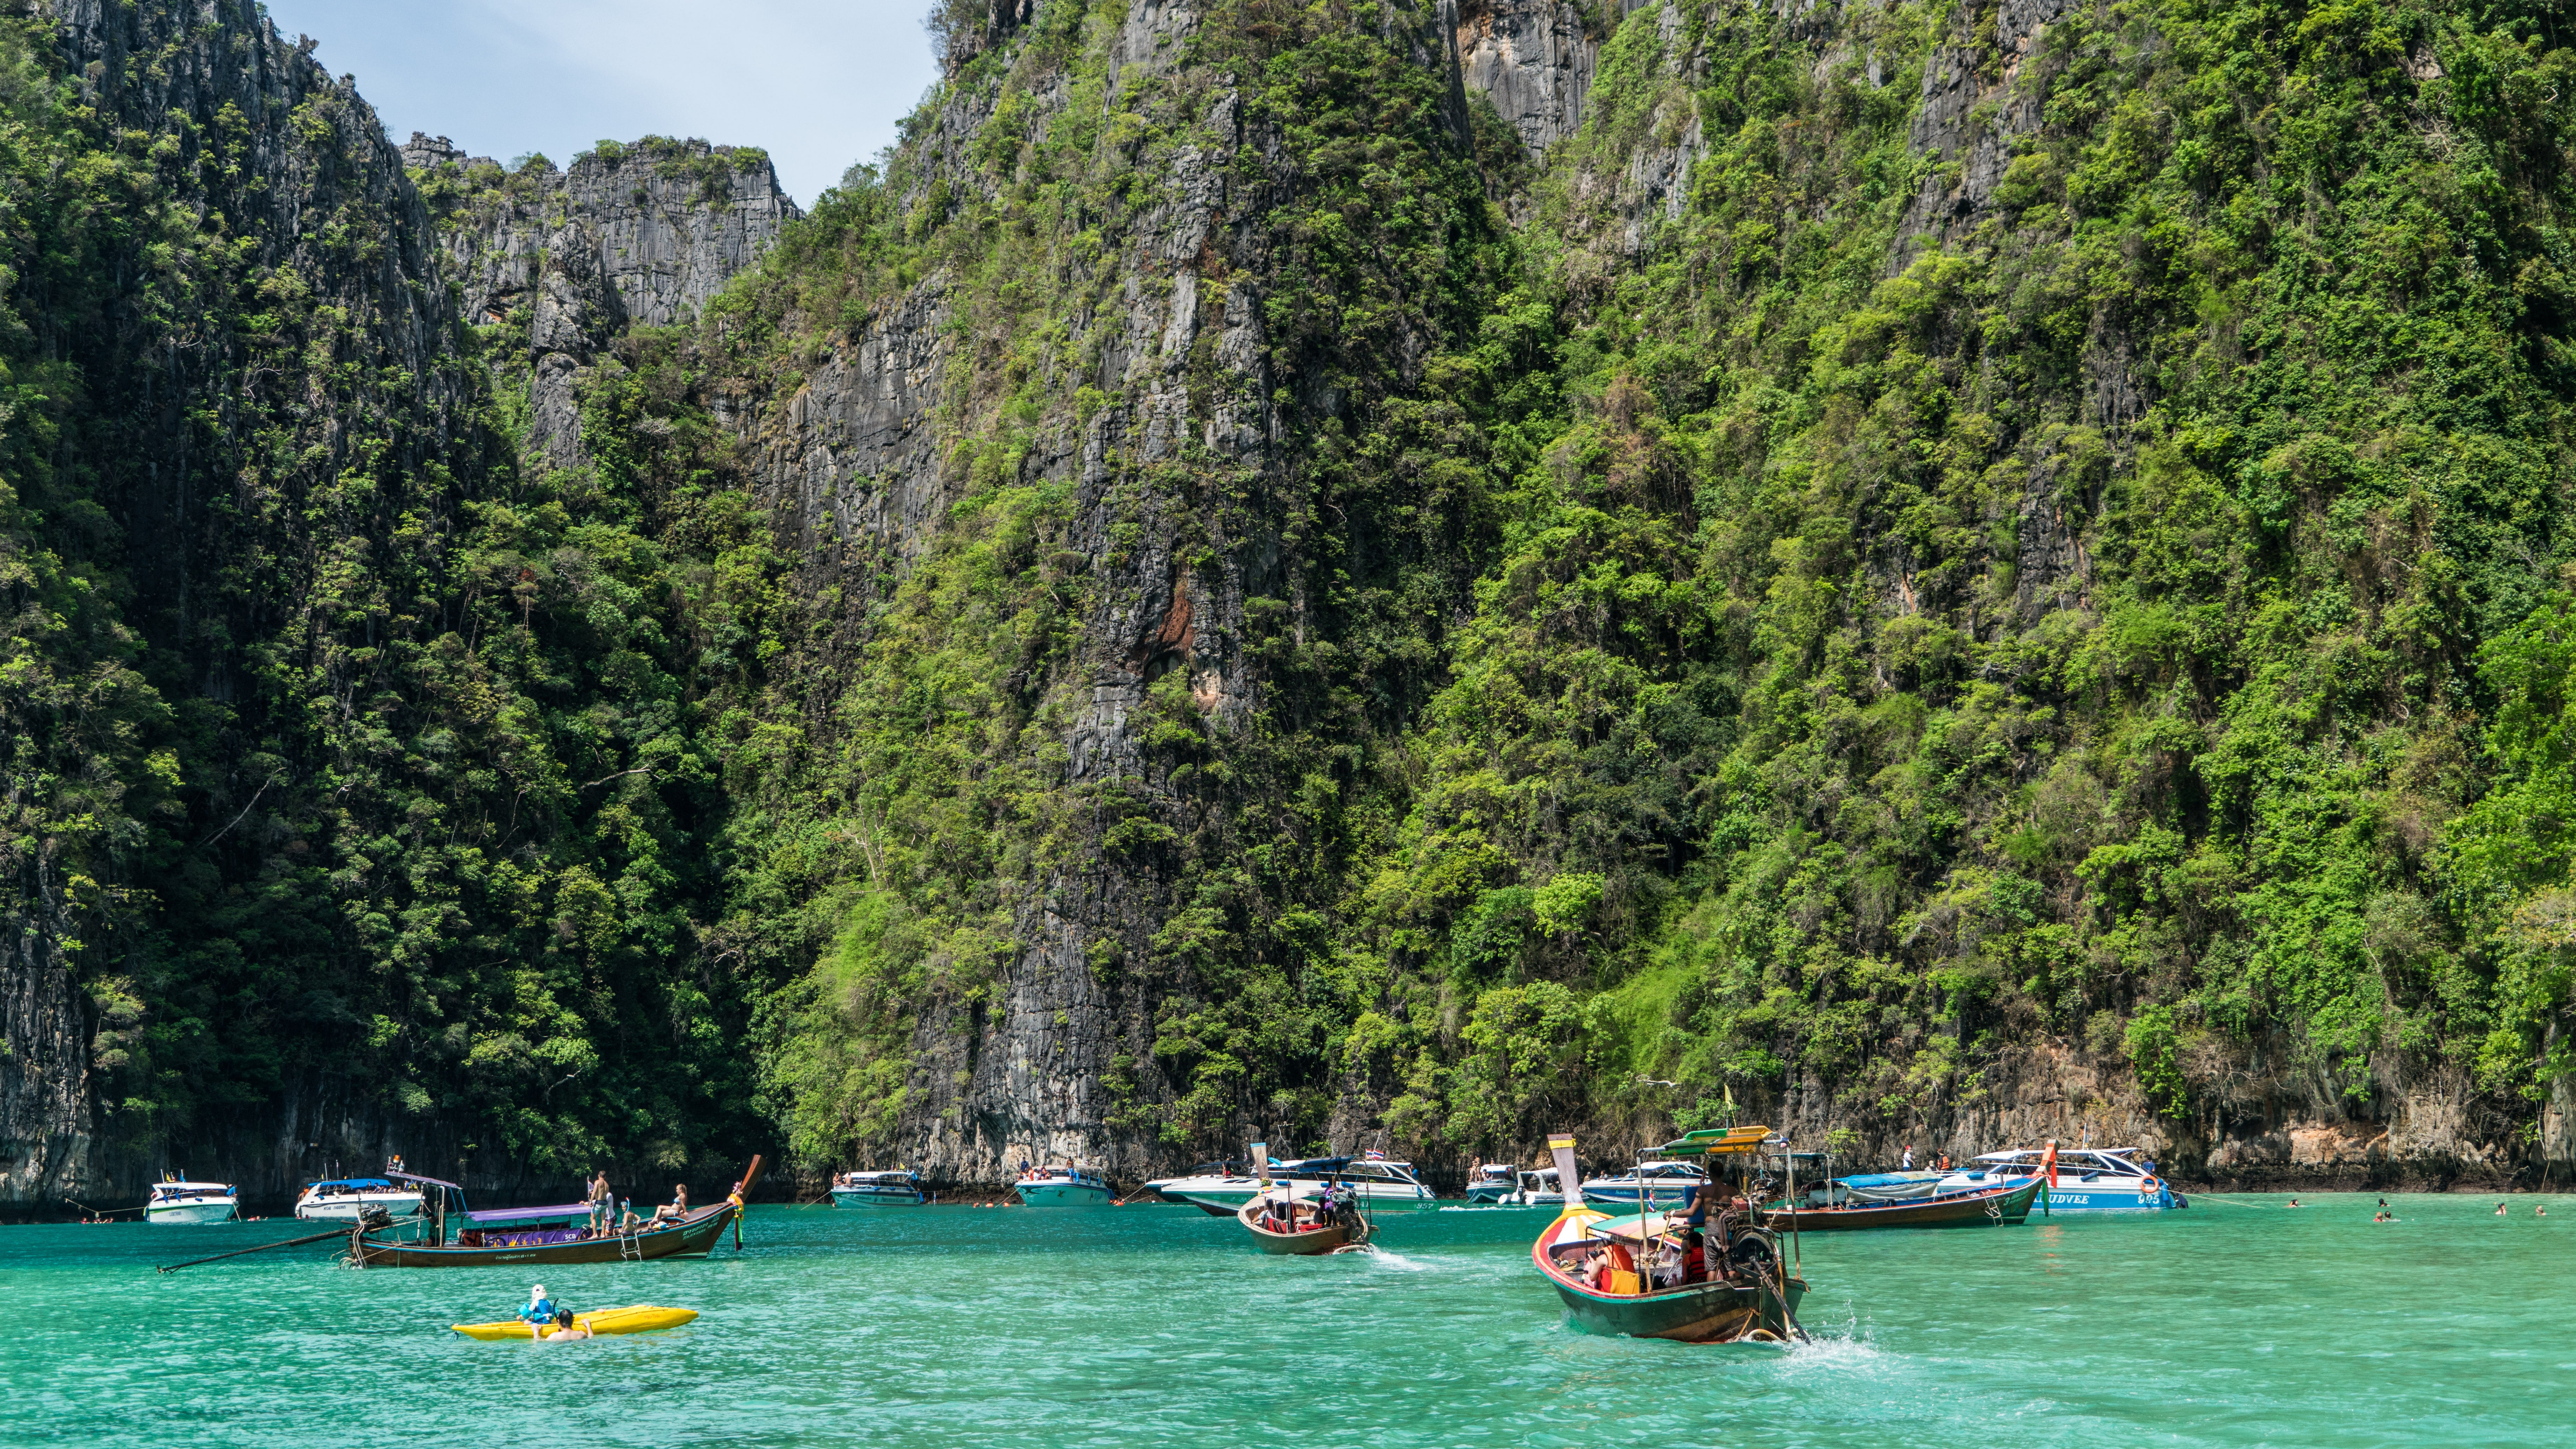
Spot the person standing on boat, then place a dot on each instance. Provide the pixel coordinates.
(1907, 1165)
(603, 1205)
(1694, 1234)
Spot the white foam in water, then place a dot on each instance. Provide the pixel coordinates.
(1397, 1261)
(1843, 1346)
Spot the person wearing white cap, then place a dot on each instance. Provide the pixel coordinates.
(540, 1309)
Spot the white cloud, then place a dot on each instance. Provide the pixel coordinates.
(816, 84)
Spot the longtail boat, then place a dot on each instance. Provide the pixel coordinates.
(1983, 1207)
(1651, 1275)
(1331, 1222)
(498, 1239)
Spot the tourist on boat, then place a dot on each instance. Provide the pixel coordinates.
(677, 1208)
(1907, 1164)
(603, 1203)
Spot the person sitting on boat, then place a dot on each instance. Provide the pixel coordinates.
(677, 1208)
(540, 1309)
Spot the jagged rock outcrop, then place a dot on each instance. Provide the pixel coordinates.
(1534, 59)
(630, 236)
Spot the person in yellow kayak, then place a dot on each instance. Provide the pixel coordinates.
(540, 1310)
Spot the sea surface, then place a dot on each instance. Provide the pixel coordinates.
(2237, 1322)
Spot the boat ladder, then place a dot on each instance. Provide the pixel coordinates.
(627, 1249)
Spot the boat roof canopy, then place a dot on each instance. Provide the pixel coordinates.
(529, 1214)
(1714, 1140)
(1315, 1164)
(423, 1181)
(356, 1182)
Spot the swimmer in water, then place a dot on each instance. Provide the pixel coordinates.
(565, 1329)
(2294, 1202)
(2499, 1210)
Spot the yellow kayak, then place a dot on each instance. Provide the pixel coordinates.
(640, 1318)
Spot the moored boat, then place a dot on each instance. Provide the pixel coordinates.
(175, 1201)
(1064, 1185)
(346, 1199)
(899, 1188)
(2080, 1179)
(1994, 1205)
(1658, 1275)
(546, 1235)
(1381, 1185)
(1492, 1182)
(1657, 1184)
(1161, 1188)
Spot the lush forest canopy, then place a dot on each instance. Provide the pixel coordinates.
(1847, 629)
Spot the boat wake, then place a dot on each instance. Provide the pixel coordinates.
(1833, 1347)
(1396, 1261)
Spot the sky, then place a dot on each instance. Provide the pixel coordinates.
(818, 84)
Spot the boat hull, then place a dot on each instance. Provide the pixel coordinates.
(2124, 1197)
(1988, 1207)
(639, 1318)
(349, 1210)
(1225, 1202)
(1698, 1313)
(1331, 1238)
(1061, 1194)
(694, 1237)
(193, 1214)
(857, 1197)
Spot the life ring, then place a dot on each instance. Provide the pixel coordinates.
(2149, 1187)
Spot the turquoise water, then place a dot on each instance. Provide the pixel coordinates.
(2235, 1323)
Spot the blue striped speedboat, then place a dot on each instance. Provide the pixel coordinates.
(2084, 1179)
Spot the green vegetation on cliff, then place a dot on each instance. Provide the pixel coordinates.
(2073, 561)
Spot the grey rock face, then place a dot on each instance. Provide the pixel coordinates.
(641, 236)
(1534, 58)
(665, 224)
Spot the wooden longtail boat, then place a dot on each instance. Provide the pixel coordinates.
(1985, 1207)
(1345, 1230)
(1741, 1290)
(693, 1236)
(1751, 1297)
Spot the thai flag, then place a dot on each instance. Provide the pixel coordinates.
(1373, 1155)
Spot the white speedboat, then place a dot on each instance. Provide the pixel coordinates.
(2081, 1179)
(177, 1200)
(1062, 1186)
(1663, 1184)
(1211, 1171)
(877, 1189)
(1382, 1186)
(1492, 1182)
(1538, 1189)
(346, 1199)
